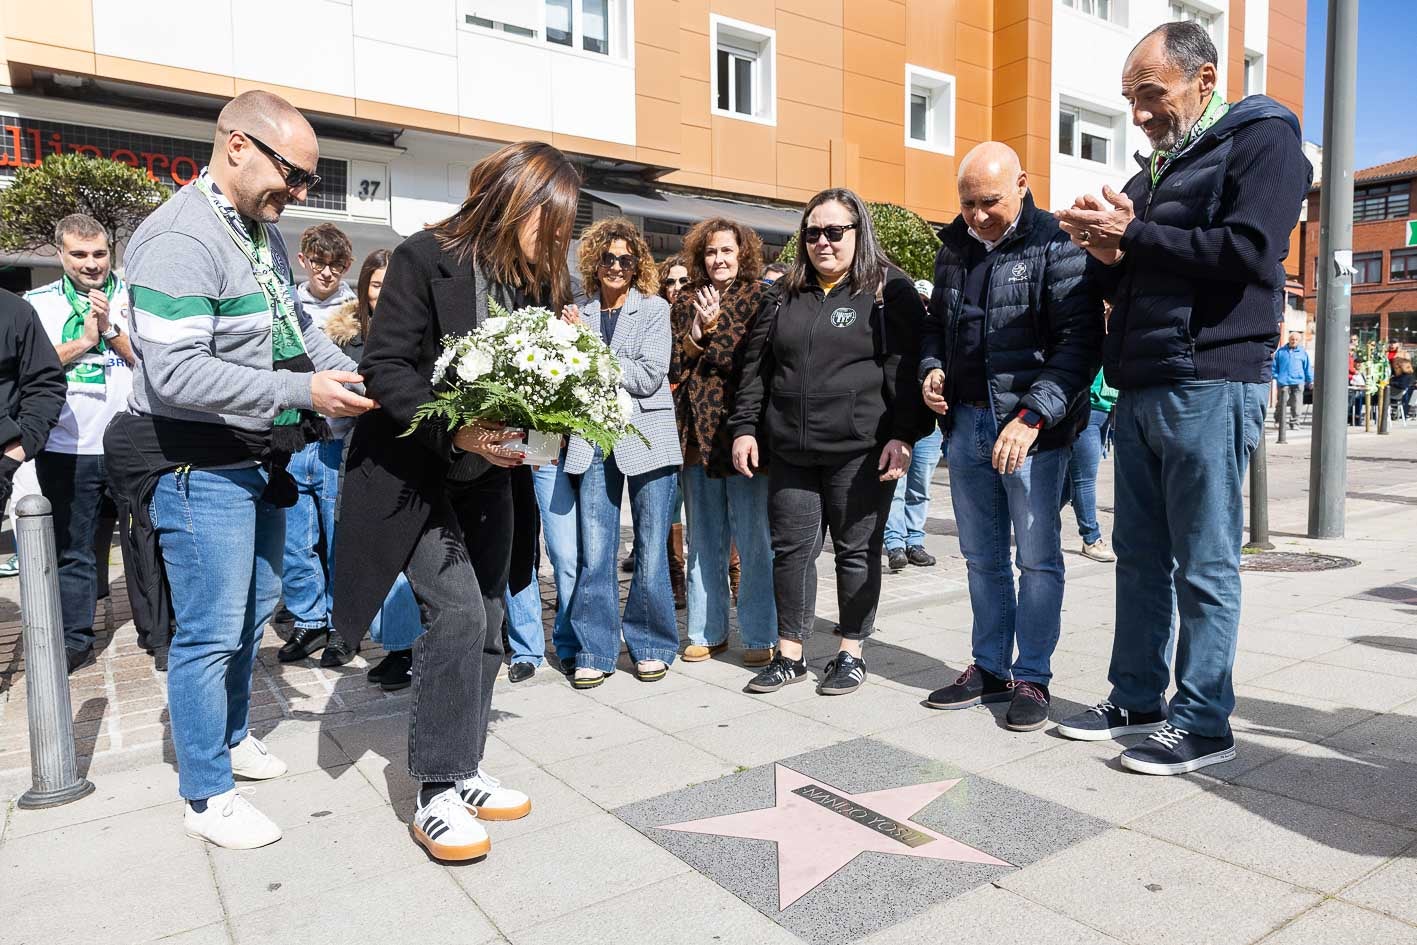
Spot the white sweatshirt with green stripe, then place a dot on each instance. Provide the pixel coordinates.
(202, 326)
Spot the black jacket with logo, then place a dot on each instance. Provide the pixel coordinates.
(1043, 323)
(833, 374)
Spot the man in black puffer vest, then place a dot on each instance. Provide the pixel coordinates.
(1010, 348)
(1190, 256)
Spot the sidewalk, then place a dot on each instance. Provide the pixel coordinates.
(657, 805)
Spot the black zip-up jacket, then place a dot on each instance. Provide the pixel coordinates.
(32, 384)
(833, 374)
(1043, 315)
(1194, 298)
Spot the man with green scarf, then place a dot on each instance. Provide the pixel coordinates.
(85, 313)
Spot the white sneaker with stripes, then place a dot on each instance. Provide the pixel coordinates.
(447, 830)
(488, 800)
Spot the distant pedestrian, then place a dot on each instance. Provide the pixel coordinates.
(1088, 452)
(1292, 373)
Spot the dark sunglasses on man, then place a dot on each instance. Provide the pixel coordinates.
(295, 175)
(834, 233)
(627, 261)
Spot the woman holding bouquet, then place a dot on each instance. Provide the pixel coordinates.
(712, 317)
(437, 505)
(621, 279)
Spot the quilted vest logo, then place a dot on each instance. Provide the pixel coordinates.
(1019, 273)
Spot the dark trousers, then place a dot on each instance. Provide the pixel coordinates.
(458, 573)
(1288, 404)
(802, 501)
(75, 487)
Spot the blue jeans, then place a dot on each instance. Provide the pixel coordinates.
(1081, 486)
(398, 624)
(905, 527)
(987, 507)
(308, 585)
(75, 486)
(556, 499)
(717, 514)
(221, 545)
(651, 631)
(1182, 452)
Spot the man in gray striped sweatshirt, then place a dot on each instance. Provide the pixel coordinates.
(232, 377)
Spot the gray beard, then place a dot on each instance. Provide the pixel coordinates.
(1173, 138)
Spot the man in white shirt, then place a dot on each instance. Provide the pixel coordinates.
(85, 315)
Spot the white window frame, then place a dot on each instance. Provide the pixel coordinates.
(1212, 19)
(939, 90)
(1085, 117)
(1090, 8)
(502, 13)
(1257, 61)
(749, 41)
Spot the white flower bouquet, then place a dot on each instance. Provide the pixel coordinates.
(530, 369)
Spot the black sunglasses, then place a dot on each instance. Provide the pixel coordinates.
(295, 175)
(627, 261)
(682, 280)
(834, 232)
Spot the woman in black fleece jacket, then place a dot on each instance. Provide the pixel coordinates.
(829, 383)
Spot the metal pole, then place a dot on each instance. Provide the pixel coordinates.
(1279, 413)
(1382, 411)
(1259, 500)
(1367, 411)
(1328, 471)
(54, 770)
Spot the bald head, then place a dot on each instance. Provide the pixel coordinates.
(251, 126)
(992, 186)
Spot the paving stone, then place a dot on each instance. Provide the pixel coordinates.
(1381, 657)
(979, 915)
(214, 934)
(1391, 889)
(1393, 735)
(1154, 892)
(661, 763)
(969, 739)
(1354, 687)
(592, 729)
(298, 799)
(871, 709)
(113, 795)
(1337, 923)
(690, 707)
(763, 736)
(1370, 786)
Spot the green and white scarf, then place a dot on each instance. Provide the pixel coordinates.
(273, 276)
(1214, 111)
(87, 372)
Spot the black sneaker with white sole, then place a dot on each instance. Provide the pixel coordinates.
(1171, 750)
(777, 674)
(1105, 720)
(845, 674)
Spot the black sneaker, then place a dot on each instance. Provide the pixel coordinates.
(337, 652)
(777, 674)
(919, 557)
(1171, 750)
(974, 686)
(77, 658)
(395, 665)
(520, 672)
(1028, 712)
(897, 559)
(1105, 720)
(302, 643)
(845, 674)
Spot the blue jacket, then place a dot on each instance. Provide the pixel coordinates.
(1291, 367)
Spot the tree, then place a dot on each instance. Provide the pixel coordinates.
(115, 194)
(905, 236)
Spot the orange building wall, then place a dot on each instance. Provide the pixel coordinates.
(1284, 79)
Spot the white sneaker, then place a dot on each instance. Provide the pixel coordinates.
(447, 830)
(1098, 551)
(485, 797)
(231, 822)
(254, 762)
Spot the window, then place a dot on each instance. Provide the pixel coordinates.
(1382, 201)
(1184, 11)
(1403, 266)
(1254, 73)
(929, 110)
(1369, 268)
(1098, 8)
(1086, 134)
(743, 70)
(593, 26)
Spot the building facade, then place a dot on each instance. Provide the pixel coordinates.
(1384, 252)
(674, 108)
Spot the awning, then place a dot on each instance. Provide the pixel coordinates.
(683, 208)
(366, 237)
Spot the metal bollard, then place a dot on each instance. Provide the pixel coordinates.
(1279, 413)
(1384, 412)
(54, 770)
(1259, 501)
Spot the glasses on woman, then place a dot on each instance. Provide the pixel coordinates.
(627, 262)
(834, 233)
(681, 281)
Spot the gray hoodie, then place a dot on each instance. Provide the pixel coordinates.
(321, 309)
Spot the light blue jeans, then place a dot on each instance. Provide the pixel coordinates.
(989, 506)
(905, 527)
(1081, 489)
(717, 514)
(1182, 453)
(222, 547)
(650, 629)
(556, 500)
(308, 584)
(398, 624)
